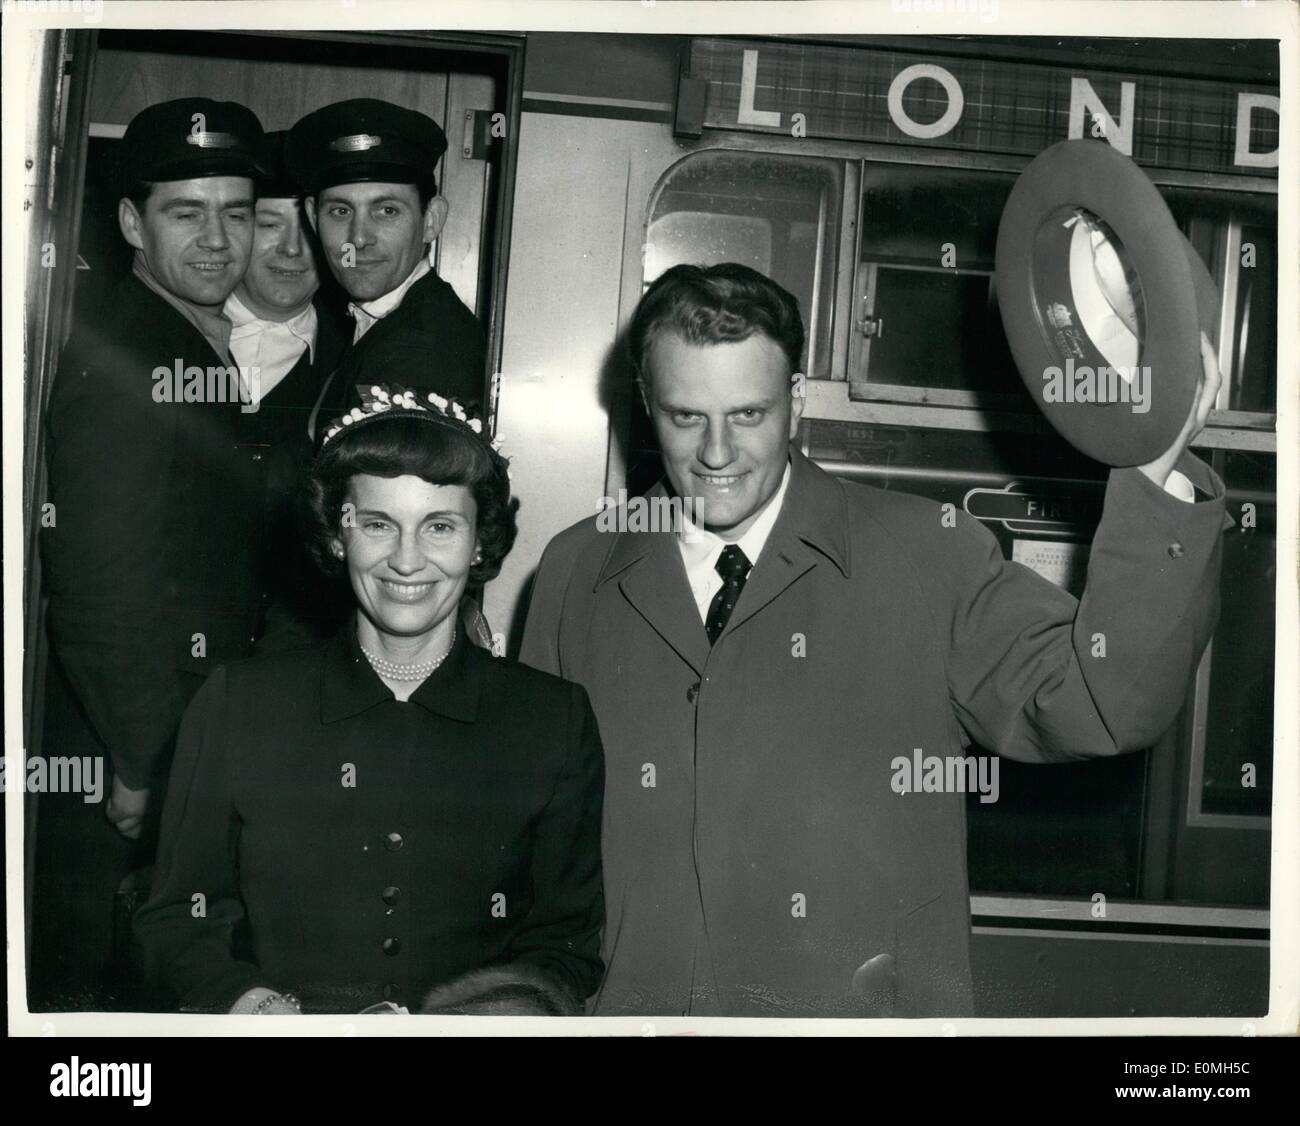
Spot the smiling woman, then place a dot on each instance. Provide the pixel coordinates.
(408, 561)
(413, 521)
(393, 811)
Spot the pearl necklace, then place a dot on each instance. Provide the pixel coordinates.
(390, 670)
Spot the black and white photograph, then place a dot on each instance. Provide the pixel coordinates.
(651, 518)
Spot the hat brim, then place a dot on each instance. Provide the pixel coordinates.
(1040, 314)
(199, 167)
(375, 173)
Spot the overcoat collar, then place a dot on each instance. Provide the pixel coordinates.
(146, 311)
(349, 686)
(813, 525)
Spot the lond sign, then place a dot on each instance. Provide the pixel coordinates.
(991, 105)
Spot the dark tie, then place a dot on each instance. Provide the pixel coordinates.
(734, 568)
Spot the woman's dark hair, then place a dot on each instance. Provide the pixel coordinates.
(715, 305)
(441, 452)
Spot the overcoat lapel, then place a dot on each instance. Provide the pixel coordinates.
(650, 573)
(785, 559)
(809, 532)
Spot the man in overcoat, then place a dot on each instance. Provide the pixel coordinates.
(151, 550)
(757, 668)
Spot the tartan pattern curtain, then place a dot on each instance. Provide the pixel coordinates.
(1010, 107)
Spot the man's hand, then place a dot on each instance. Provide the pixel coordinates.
(126, 808)
(1159, 470)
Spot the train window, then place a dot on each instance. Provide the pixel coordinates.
(778, 214)
(1236, 235)
(925, 310)
(927, 241)
(1254, 387)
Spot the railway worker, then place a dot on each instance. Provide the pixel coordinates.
(291, 332)
(368, 169)
(151, 550)
(755, 683)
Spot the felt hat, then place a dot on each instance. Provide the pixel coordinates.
(1103, 300)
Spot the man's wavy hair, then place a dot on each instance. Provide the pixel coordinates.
(714, 305)
(441, 453)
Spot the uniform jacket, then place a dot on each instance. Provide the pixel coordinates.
(284, 417)
(757, 860)
(302, 606)
(152, 558)
(430, 342)
(352, 849)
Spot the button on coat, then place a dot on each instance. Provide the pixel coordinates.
(485, 788)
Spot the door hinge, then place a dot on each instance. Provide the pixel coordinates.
(482, 128)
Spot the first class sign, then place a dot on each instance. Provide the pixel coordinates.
(988, 105)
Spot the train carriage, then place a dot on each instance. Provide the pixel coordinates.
(866, 175)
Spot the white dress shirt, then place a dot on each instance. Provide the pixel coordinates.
(268, 348)
(1179, 486)
(367, 313)
(701, 548)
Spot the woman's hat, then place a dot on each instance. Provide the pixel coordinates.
(385, 400)
(1103, 301)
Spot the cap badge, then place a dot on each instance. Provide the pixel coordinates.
(206, 140)
(357, 142)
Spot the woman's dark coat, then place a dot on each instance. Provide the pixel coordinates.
(321, 837)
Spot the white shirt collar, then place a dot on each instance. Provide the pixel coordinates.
(247, 323)
(367, 313)
(266, 351)
(701, 548)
